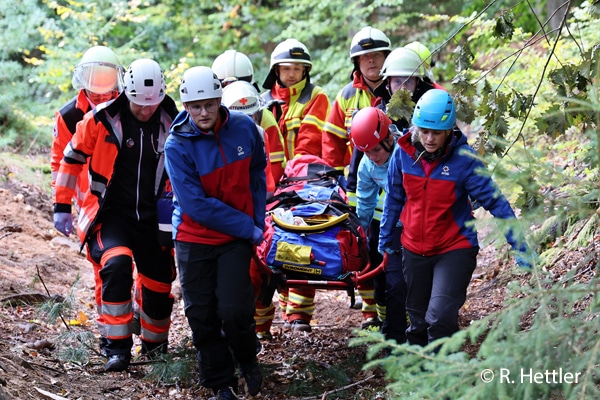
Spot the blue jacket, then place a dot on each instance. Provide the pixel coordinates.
(218, 179)
(434, 207)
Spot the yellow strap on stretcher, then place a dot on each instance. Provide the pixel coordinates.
(331, 221)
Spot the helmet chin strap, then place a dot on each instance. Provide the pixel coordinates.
(374, 81)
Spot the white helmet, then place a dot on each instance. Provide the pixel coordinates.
(241, 96)
(98, 71)
(403, 62)
(425, 55)
(290, 51)
(233, 64)
(369, 40)
(144, 82)
(199, 83)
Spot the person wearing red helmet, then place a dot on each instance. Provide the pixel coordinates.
(373, 133)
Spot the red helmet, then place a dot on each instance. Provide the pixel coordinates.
(369, 126)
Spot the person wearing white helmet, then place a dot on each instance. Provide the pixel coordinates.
(216, 161)
(98, 78)
(232, 66)
(300, 108)
(120, 218)
(368, 50)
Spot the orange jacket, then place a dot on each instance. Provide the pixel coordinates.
(335, 142)
(303, 113)
(65, 122)
(98, 137)
(275, 151)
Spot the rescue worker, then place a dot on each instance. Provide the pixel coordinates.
(300, 109)
(216, 161)
(232, 66)
(432, 177)
(119, 218)
(98, 77)
(373, 133)
(368, 51)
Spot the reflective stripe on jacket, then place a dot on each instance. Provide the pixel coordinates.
(303, 116)
(65, 122)
(354, 96)
(99, 138)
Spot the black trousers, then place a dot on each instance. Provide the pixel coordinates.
(436, 290)
(394, 326)
(219, 306)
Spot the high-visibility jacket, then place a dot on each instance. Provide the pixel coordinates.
(276, 155)
(99, 137)
(354, 96)
(65, 122)
(304, 108)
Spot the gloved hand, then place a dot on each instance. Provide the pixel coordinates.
(257, 236)
(63, 222)
(527, 260)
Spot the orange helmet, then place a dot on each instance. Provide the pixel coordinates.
(369, 127)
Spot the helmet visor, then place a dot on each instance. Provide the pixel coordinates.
(97, 77)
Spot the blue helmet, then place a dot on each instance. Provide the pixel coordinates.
(435, 110)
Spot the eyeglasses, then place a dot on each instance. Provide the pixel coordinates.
(197, 107)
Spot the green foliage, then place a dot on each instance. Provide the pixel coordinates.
(544, 326)
(400, 106)
(178, 367)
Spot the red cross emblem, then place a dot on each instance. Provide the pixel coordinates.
(243, 101)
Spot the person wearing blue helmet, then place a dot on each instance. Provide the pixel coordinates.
(432, 179)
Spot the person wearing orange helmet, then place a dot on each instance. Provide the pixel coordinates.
(373, 133)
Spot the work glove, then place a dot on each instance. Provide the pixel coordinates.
(257, 236)
(527, 260)
(63, 222)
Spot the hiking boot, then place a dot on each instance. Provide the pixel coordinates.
(264, 335)
(300, 325)
(224, 394)
(117, 363)
(286, 327)
(253, 377)
(369, 323)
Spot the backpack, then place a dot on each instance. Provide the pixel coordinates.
(311, 231)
